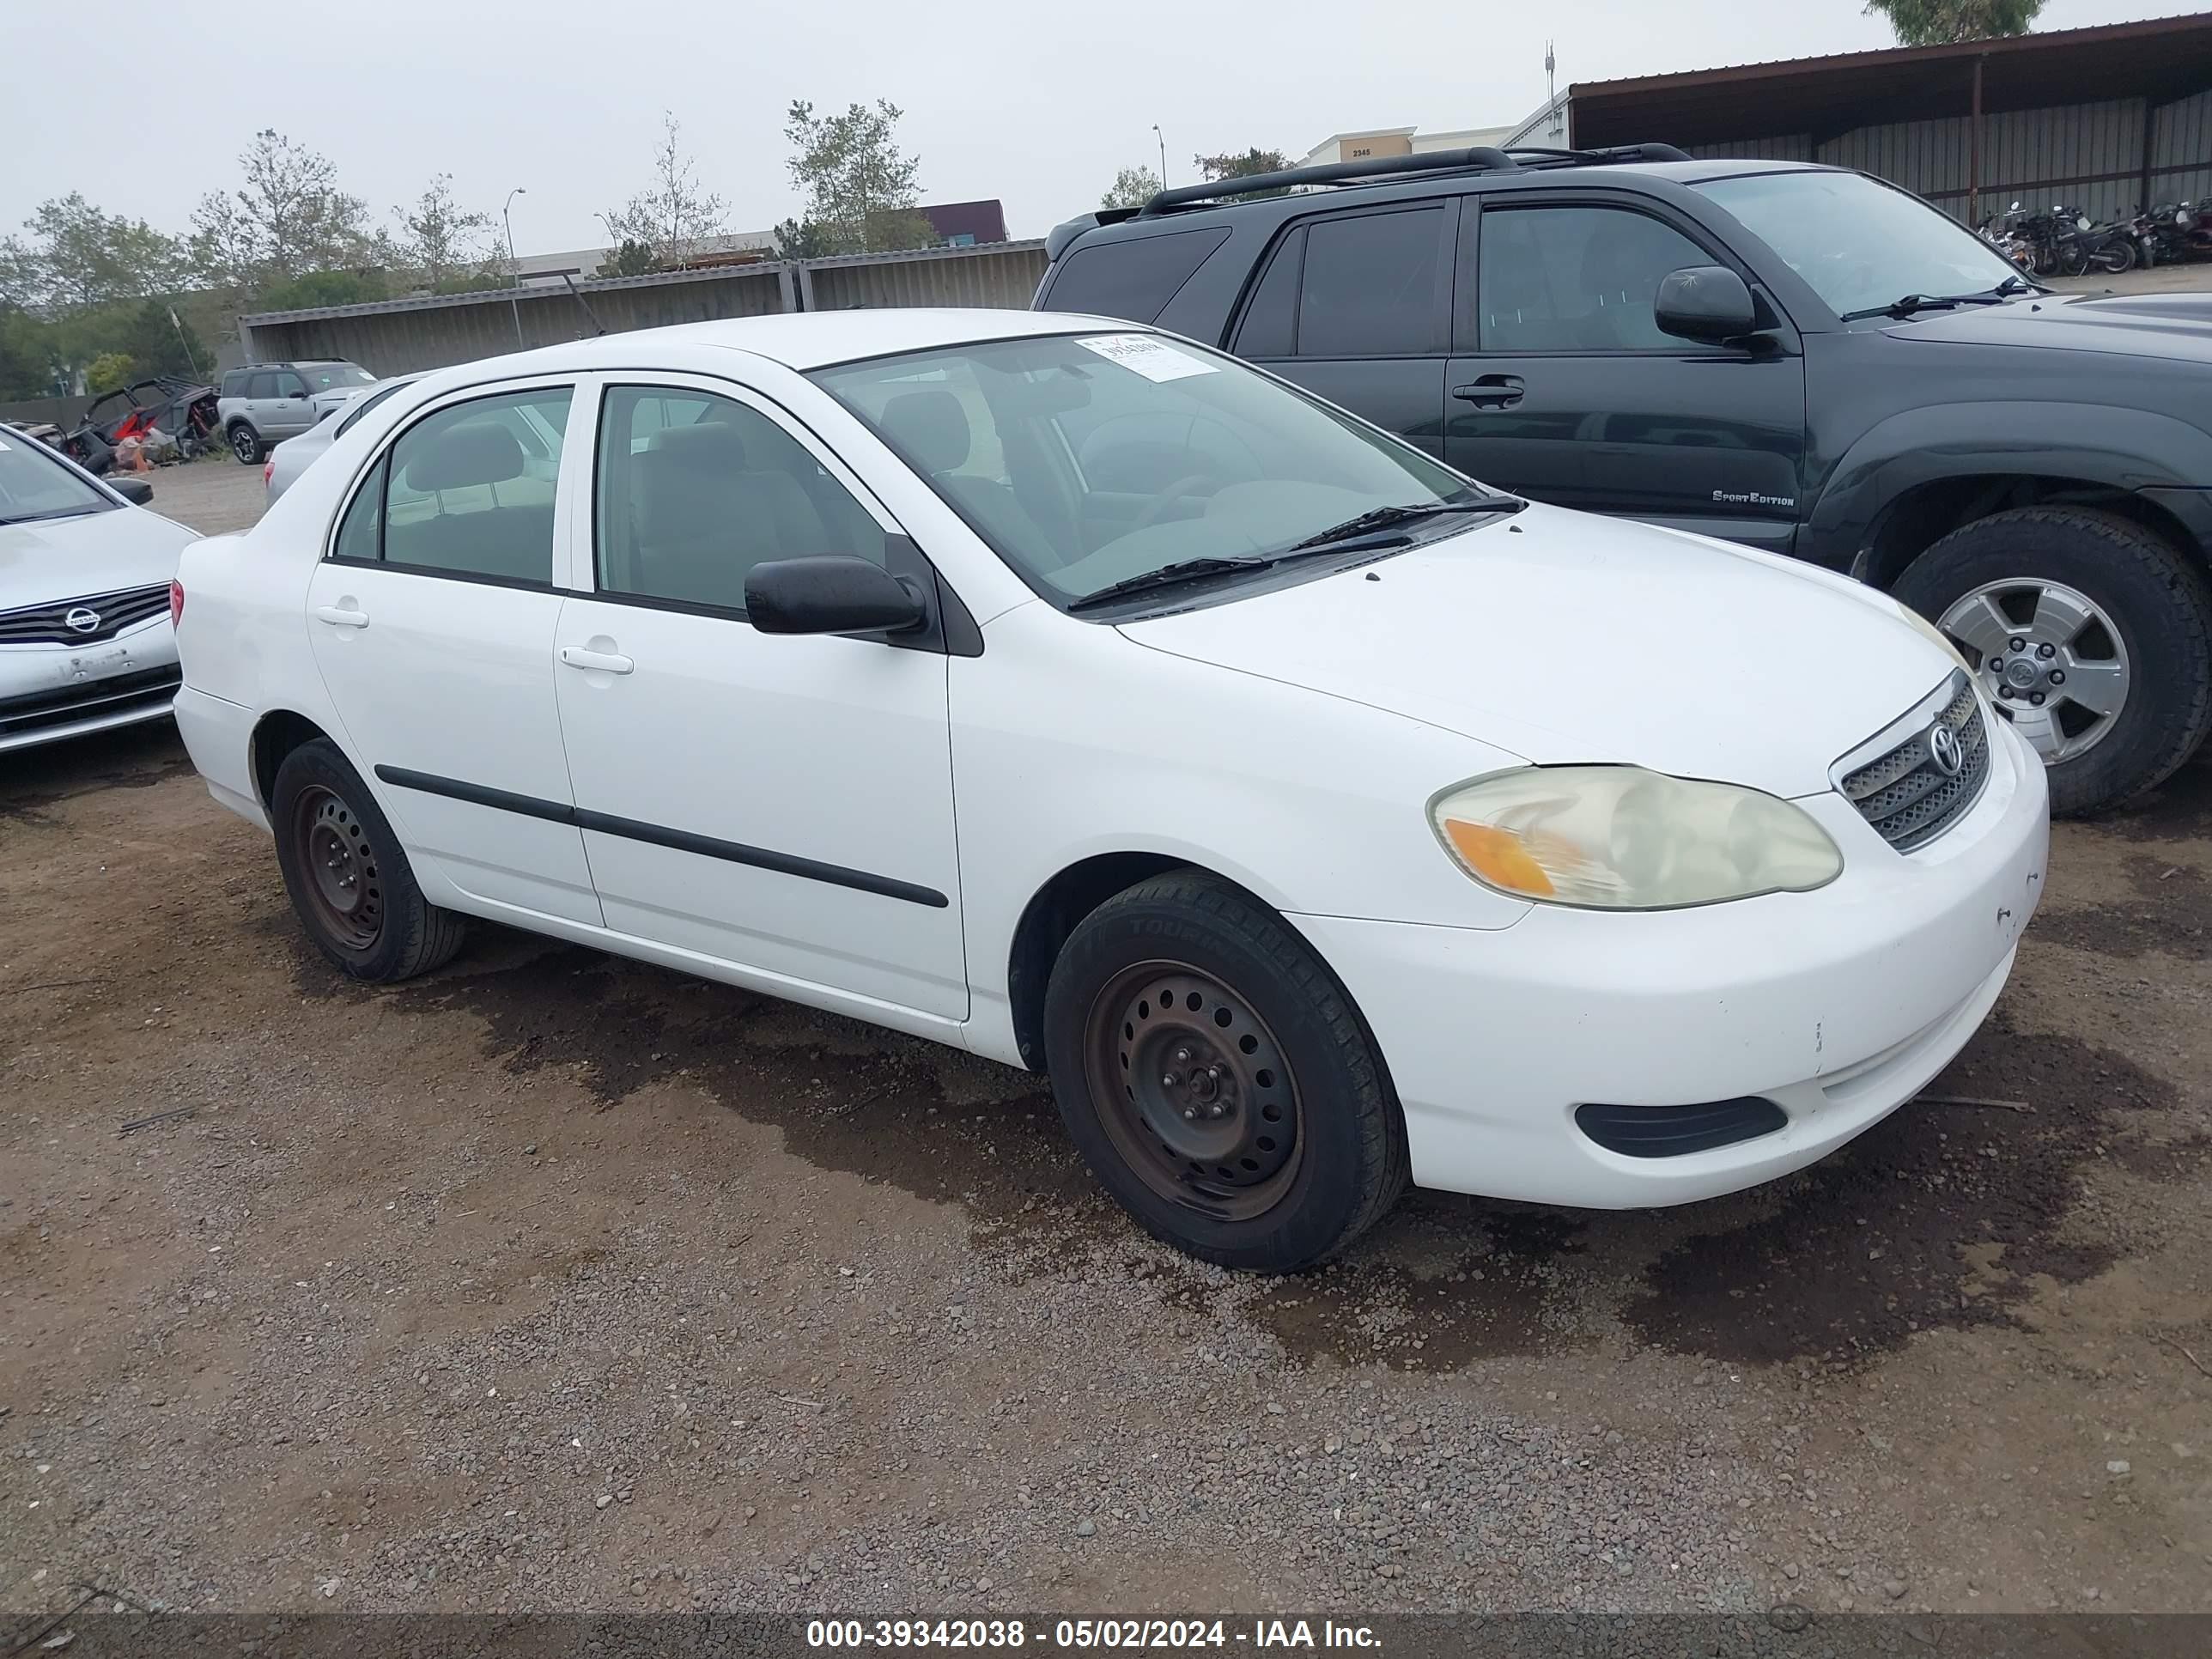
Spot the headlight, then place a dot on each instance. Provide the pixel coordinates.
(1931, 631)
(1620, 838)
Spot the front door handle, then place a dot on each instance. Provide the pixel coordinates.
(339, 615)
(605, 662)
(1492, 391)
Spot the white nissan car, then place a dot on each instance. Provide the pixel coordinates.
(1081, 696)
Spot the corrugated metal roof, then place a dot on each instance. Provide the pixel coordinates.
(767, 268)
(981, 250)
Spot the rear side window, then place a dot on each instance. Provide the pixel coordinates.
(1132, 277)
(1368, 289)
(466, 492)
(261, 383)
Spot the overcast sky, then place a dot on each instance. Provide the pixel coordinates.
(1036, 104)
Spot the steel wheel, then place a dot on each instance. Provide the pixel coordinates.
(1193, 1091)
(2049, 658)
(332, 849)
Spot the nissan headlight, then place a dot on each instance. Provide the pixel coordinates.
(1620, 838)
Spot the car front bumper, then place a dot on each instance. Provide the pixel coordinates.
(1838, 1005)
(50, 692)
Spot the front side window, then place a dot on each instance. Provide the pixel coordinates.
(1087, 460)
(695, 489)
(33, 485)
(1576, 279)
(290, 385)
(467, 491)
(1859, 244)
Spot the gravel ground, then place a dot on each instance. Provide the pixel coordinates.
(558, 1282)
(212, 494)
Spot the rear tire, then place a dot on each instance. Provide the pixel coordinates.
(245, 444)
(2155, 607)
(349, 882)
(1218, 1079)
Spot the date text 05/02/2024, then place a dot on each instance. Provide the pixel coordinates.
(1139, 1633)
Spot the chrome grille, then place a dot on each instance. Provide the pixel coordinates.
(1905, 793)
(48, 624)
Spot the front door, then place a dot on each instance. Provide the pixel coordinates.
(287, 410)
(1562, 387)
(781, 803)
(432, 622)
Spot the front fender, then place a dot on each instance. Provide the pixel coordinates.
(2126, 449)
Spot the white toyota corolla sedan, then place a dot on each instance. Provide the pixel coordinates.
(1316, 818)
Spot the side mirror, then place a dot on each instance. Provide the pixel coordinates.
(1705, 302)
(833, 595)
(137, 491)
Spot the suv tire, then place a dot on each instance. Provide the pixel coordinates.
(246, 443)
(350, 883)
(2154, 599)
(1218, 1079)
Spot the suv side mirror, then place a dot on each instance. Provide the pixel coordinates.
(832, 595)
(137, 491)
(1705, 302)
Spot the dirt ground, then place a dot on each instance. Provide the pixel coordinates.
(555, 1281)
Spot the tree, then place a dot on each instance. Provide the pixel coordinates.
(1133, 187)
(1246, 165)
(1939, 22)
(862, 192)
(673, 215)
(76, 255)
(109, 370)
(438, 241)
(801, 238)
(26, 368)
(287, 218)
(632, 258)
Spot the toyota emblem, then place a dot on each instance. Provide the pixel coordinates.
(1943, 748)
(82, 619)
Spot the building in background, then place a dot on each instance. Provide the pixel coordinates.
(1373, 144)
(966, 224)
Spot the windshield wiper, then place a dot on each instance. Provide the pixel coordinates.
(1907, 305)
(1384, 518)
(1170, 575)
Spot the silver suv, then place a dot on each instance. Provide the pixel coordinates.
(263, 403)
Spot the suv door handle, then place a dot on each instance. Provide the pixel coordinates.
(339, 616)
(1492, 391)
(604, 662)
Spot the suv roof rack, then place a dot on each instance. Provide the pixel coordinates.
(1478, 158)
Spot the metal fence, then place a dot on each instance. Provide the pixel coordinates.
(2089, 156)
(399, 336)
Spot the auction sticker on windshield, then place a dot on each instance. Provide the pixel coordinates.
(1154, 359)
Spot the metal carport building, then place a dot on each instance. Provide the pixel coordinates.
(2099, 118)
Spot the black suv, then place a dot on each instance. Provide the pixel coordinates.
(1803, 358)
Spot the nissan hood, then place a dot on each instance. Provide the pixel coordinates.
(48, 559)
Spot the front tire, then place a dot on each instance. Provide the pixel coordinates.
(2093, 634)
(349, 882)
(245, 444)
(1218, 1079)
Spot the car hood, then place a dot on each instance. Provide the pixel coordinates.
(51, 559)
(1563, 638)
(2131, 325)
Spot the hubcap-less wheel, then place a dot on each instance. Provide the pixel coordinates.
(334, 850)
(243, 446)
(1194, 1090)
(2049, 658)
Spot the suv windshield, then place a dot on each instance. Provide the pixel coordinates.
(35, 485)
(1087, 461)
(326, 377)
(1859, 244)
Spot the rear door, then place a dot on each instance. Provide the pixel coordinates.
(1356, 305)
(1562, 387)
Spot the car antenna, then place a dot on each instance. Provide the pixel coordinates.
(598, 327)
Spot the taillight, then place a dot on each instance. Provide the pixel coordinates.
(176, 602)
(268, 468)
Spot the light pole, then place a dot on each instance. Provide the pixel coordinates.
(513, 275)
(1157, 134)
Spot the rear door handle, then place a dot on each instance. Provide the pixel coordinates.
(605, 662)
(340, 616)
(1492, 391)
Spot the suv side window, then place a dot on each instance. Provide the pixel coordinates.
(261, 383)
(1351, 285)
(235, 382)
(695, 490)
(466, 491)
(1134, 276)
(290, 385)
(1556, 278)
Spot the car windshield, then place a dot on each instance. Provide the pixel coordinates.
(1088, 461)
(1859, 244)
(329, 377)
(35, 485)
